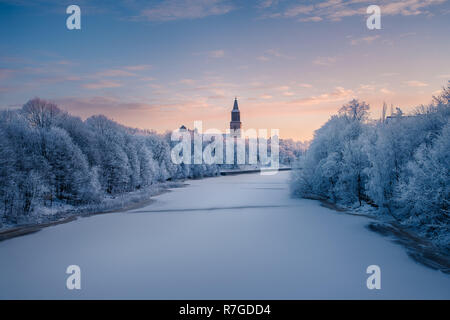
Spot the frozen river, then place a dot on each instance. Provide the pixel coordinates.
(229, 237)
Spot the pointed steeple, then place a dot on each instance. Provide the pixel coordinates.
(235, 124)
(235, 106)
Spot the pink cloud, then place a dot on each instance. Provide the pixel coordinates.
(101, 85)
(415, 84)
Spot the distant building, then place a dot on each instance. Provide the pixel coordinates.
(235, 124)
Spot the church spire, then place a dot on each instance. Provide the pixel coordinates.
(235, 124)
(235, 106)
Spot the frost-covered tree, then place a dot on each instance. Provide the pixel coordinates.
(68, 171)
(399, 165)
(425, 194)
(333, 166)
(355, 110)
(40, 113)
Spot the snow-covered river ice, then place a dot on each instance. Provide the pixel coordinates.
(231, 237)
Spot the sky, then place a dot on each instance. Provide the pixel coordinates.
(160, 64)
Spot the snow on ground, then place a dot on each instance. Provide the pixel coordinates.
(232, 237)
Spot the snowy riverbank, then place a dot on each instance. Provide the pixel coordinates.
(66, 213)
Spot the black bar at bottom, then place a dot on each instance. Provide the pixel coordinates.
(228, 309)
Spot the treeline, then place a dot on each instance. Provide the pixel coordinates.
(398, 165)
(49, 157)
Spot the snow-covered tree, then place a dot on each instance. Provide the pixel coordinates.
(355, 110)
(68, 171)
(333, 166)
(40, 113)
(425, 195)
(399, 165)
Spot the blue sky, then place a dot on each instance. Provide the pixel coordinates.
(158, 64)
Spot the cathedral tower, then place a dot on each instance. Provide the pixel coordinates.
(235, 124)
